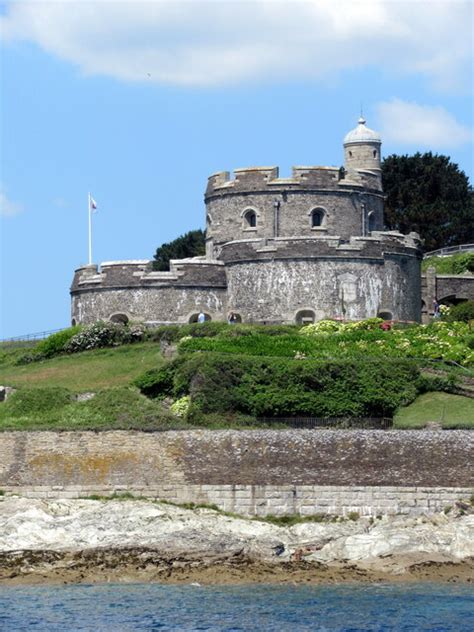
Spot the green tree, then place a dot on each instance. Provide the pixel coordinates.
(429, 194)
(191, 244)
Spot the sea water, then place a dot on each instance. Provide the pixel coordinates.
(279, 608)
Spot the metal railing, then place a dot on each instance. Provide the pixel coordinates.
(39, 335)
(381, 423)
(450, 250)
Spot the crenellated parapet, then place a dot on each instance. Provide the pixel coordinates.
(374, 248)
(267, 180)
(136, 274)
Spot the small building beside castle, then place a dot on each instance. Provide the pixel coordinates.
(278, 250)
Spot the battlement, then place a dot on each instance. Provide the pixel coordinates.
(251, 179)
(376, 247)
(139, 273)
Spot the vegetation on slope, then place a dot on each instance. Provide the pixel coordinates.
(454, 264)
(81, 372)
(451, 411)
(228, 375)
(439, 341)
(55, 408)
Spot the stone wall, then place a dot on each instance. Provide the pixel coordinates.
(163, 304)
(446, 288)
(252, 472)
(345, 212)
(273, 281)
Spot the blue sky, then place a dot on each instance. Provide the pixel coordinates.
(140, 102)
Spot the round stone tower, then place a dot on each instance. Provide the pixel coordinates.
(362, 148)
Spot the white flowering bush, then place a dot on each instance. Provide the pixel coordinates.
(100, 334)
(105, 334)
(181, 406)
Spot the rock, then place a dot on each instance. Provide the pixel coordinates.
(135, 535)
(84, 397)
(5, 392)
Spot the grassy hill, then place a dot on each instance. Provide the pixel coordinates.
(81, 372)
(249, 368)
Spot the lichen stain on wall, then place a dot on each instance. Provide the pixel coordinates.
(84, 469)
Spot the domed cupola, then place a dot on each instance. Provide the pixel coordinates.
(362, 148)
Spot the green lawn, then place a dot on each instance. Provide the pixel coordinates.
(448, 410)
(87, 371)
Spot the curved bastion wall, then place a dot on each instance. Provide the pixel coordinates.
(288, 280)
(131, 290)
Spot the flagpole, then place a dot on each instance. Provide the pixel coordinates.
(90, 227)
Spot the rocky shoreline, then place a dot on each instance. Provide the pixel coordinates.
(74, 541)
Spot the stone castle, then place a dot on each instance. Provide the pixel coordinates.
(278, 250)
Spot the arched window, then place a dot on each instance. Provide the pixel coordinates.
(371, 221)
(73, 322)
(317, 217)
(305, 316)
(234, 318)
(194, 317)
(374, 153)
(119, 318)
(250, 219)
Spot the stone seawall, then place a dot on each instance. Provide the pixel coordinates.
(248, 472)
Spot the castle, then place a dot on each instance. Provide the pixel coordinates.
(278, 250)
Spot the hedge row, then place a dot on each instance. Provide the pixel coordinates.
(285, 387)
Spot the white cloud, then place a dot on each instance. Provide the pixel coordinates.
(207, 43)
(409, 123)
(7, 207)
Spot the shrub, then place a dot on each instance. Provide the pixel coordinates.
(321, 327)
(173, 333)
(168, 333)
(156, 382)
(54, 344)
(29, 357)
(37, 401)
(463, 262)
(180, 407)
(206, 329)
(105, 334)
(463, 312)
(454, 264)
(433, 383)
(286, 387)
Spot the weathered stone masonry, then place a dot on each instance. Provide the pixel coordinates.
(302, 248)
(249, 472)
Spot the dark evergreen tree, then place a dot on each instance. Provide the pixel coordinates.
(429, 194)
(192, 244)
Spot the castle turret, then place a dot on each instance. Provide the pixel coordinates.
(362, 148)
